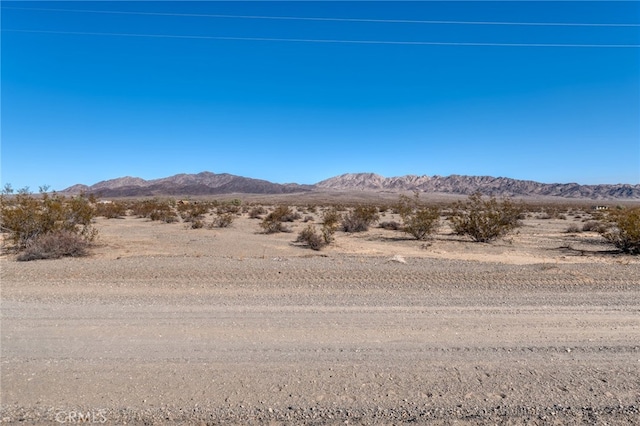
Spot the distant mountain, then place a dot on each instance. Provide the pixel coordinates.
(456, 184)
(207, 183)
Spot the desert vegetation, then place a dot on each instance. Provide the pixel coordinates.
(155, 209)
(418, 221)
(274, 221)
(359, 219)
(484, 220)
(40, 226)
(623, 230)
(315, 239)
(47, 226)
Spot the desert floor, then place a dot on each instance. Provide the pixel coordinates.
(168, 325)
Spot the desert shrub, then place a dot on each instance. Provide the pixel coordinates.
(391, 225)
(485, 220)
(273, 222)
(192, 212)
(307, 219)
(592, 226)
(54, 245)
(419, 221)
(231, 207)
(223, 219)
(111, 210)
(257, 212)
(573, 229)
(196, 223)
(154, 210)
(48, 226)
(312, 238)
(422, 223)
(359, 219)
(623, 230)
(331, 218)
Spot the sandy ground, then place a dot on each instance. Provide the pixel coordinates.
(168, 325)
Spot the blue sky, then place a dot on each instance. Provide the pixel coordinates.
(81, 107)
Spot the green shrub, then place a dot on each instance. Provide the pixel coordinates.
(485, 220)
(359, 219)
(422, 222)
(419, 221)
(623, 230)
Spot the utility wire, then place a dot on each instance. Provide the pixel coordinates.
(299, 18)
(306, 40)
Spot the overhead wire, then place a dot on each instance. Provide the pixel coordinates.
(303, 18)
(315, 40)
(306, 40)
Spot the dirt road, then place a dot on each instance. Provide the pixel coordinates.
(319, 340)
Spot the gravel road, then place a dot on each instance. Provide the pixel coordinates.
(318, 340)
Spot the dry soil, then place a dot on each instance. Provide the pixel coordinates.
(168, 325)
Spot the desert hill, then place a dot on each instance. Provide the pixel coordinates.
(207, 183)
(457, 184)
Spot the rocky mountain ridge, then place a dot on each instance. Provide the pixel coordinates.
(207, 183)
(465, 185)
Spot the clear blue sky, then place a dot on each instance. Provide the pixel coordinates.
(81, 108)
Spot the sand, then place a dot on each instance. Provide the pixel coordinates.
(168, 325)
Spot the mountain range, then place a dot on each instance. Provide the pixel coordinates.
(207, 183)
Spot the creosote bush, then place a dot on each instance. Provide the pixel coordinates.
(359, 219)
(419, 221)
(111, 210)
(485, 220)
(36, 224)
(155, 210)
(623, 230)
(311, 238)
(257, 212)
(273, 222)
(192, 212)
(317, 240)
(223, 219)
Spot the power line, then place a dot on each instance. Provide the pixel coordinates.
(300, 18)
(305, 40)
